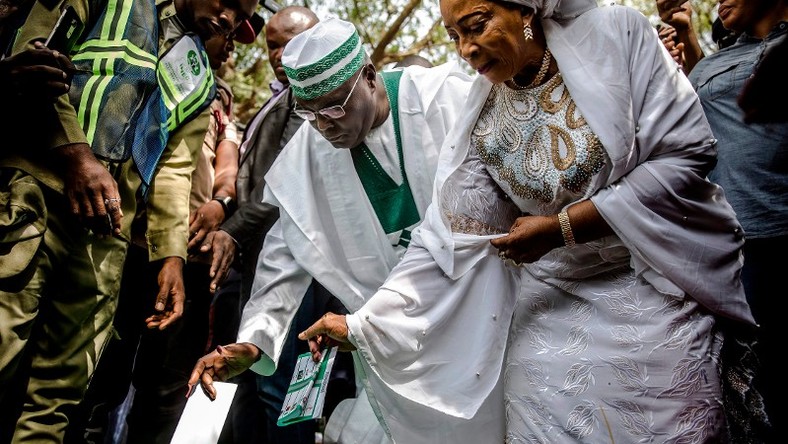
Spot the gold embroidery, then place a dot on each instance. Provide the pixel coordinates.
(512, 134)
(571, 122)
(556, 133)
(546, 97)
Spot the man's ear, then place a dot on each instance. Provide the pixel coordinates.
(370, 74)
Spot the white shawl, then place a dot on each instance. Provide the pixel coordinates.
(436, 332)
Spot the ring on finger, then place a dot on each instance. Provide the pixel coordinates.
(109, 200)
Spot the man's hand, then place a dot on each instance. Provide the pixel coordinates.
(676, 13)
(204, 220)
(669, 38)
(38, 74)
(169, 301)
(222, 364)
(223, 247)
(90, 188)
(328, 331)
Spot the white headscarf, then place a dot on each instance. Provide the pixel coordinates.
(557, 9)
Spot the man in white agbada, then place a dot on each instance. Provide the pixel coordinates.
(350, 186)
(580, 160)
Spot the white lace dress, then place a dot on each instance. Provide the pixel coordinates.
(595, 354)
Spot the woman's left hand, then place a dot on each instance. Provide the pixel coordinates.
(328, 331)
(530, 238)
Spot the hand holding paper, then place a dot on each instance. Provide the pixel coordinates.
(307, 391)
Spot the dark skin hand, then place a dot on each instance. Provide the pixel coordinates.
(222, 364)
(669, 38)
(38, 74)
(223, 247)
(678, 14)
(202, 221)
(530, 238)
(210, 215)
(330, 330)
(91, 190)
(169, 300)
(675, 13)
(205, 222)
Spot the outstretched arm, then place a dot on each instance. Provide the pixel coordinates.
(222, 364)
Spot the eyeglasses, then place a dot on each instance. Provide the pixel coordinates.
(331, 112)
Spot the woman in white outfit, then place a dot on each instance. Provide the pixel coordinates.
(574, 253)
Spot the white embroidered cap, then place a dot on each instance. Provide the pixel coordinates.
(323, 57)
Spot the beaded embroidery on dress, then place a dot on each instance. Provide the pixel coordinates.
(537, 146)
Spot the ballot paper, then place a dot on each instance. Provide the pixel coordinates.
(202, 419)
(307, 391)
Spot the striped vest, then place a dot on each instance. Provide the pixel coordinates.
(126, 102)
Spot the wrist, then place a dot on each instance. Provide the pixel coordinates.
(566, 229)
(227, 203)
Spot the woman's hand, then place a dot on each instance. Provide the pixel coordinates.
(530, 238)
(328, 331)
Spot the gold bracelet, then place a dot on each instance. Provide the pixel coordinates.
(566, 229)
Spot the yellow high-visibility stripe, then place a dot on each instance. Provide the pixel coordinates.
(83, 101)
(148, 62)
(125, 12)
(167, 87)
(106, 28)
(186, 108)
(123, 43)
(190, 106)
(94, 107)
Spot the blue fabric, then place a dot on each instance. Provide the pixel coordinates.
(752, 164)
(128, 87)
(151, 133)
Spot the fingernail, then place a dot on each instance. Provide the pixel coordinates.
(159, 306)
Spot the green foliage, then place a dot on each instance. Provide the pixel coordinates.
(421, 32)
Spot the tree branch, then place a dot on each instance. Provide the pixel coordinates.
(388, 36)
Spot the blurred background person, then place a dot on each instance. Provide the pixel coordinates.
(752, 168)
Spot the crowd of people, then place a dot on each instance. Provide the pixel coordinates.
(568, 242)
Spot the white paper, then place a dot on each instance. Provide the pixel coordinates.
(202, 419)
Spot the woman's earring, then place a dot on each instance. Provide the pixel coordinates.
(528, 33)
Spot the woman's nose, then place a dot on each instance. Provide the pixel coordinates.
(468, 49)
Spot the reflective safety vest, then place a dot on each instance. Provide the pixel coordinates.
(128, 98)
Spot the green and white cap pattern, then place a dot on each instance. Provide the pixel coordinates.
(322, 58)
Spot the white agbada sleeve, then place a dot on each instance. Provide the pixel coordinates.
(327, 229)
(268, 314)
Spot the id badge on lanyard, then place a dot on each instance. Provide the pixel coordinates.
(185, 79)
